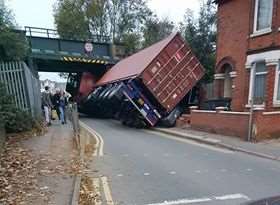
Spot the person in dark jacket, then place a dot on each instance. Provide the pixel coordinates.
(47, 105)
(56, 99)
(62, 107)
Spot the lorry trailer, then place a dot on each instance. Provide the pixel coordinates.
(148, 87)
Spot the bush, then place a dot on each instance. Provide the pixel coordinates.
(15, 120)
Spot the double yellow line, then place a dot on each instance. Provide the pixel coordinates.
(101, 181)
(99, 145)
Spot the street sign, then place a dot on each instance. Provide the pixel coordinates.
(88, 47)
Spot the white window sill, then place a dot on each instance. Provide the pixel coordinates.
(276, 104)
(256, 107)
(261, 32)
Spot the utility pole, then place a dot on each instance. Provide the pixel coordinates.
(251, 102)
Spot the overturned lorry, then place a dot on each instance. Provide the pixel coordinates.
(150, 87)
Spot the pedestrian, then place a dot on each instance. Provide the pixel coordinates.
(47, 105)
(62, 106)
(56, 99)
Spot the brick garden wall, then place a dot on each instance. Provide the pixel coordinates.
(267, 125)
(227, 123)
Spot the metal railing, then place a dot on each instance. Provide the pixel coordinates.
(52, 33)
(73, 116)
(22, 85)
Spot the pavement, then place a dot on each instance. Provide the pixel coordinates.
(269, 149)
(56, 151)
(141, 167)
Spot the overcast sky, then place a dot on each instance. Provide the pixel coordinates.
(39, 13)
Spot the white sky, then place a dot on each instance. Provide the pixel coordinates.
(39, 13)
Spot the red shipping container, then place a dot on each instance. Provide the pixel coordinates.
(169, 70)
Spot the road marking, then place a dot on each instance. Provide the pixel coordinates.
(101, 153)
(211, 147)
(99, 141)
(172, 172)
(146, 174)
(107, 191)
(198, 171)
(232, 196)
(249, 170)
(96, 185)
(95, 153)
(120, 175)
(204, 199)
(223, 170)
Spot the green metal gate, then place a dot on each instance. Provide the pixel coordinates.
(23, 85)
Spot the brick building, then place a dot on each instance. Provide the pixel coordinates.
(247, 70)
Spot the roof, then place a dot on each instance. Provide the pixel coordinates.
(135, 64)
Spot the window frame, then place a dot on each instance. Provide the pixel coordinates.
(253, 71)
(276, 102)
(256, 15)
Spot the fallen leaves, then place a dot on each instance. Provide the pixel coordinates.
(17, 175)
(88, 194)
(22, 171)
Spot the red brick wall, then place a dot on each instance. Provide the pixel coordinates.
(234, 41)
(268, 40)
(270, 83)
(221, 123)
(265, 123)
(233, 32)
(267, 126)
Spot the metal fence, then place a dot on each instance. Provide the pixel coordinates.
(73, 116)
(22, 85)
(2, 135)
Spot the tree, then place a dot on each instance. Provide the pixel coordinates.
(98, 16)
(131, 42)
(70, 19)
(12, 42)
(155, 30)
(201, 35)
(121, 20)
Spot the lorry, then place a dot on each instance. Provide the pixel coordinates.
(150, 87)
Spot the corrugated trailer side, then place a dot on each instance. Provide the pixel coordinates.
(173, 73)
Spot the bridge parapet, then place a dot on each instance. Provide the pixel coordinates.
(47, 41)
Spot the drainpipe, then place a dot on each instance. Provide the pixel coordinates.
(251, 101)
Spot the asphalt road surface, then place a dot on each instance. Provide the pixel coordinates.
(140, 167)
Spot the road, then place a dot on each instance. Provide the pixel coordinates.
(145, 167)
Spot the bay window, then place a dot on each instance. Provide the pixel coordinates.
(258, 75)
(263, 15)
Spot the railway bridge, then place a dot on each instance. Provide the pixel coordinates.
(51, 53)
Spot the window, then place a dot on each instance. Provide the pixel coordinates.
(260, 83)
(263, 15)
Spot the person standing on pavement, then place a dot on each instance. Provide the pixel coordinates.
(56, 99)
(47, 104)
(62, 106)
